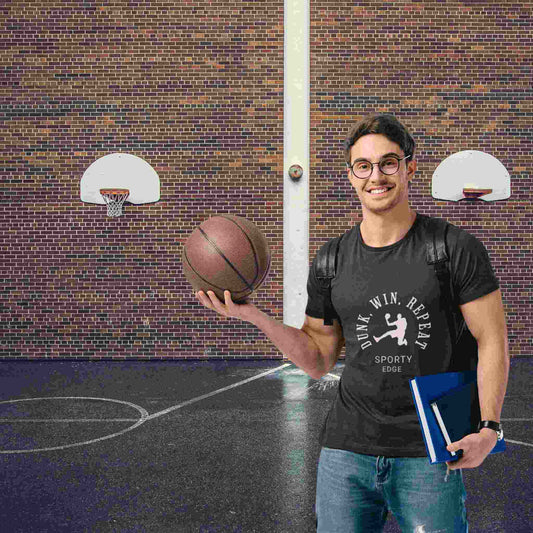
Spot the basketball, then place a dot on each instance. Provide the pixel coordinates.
(226, 252)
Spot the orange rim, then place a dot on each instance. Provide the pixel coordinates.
(476, 193)
(113, 192)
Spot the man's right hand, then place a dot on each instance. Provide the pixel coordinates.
(228, 308)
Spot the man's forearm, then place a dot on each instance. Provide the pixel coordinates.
(292, 342)
(492, 374)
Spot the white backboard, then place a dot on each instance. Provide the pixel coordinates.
(120, 171)
(470, 169)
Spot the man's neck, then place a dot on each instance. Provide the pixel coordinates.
(383, 229)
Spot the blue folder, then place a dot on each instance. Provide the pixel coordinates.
(456, 399)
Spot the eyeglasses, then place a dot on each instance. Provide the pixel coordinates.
(388, 165)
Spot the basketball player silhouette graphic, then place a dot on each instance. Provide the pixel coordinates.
(399, 333)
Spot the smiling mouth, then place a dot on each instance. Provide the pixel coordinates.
(380, 190)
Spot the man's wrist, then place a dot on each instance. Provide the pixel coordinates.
(493, 426)
(489, 435)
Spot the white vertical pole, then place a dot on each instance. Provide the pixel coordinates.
(296, 152)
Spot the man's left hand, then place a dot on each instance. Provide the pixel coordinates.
(475, 446)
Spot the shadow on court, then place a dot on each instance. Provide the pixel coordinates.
(200, 446)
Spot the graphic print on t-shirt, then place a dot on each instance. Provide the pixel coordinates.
(393, 331)
(398, 332)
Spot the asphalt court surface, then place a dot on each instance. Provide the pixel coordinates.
(185, 446)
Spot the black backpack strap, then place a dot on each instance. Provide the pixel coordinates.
(464, 346)
(437, 255)
(325, 271)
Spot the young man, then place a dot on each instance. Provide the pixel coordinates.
(389, 316)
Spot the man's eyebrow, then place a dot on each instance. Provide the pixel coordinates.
(386, 155)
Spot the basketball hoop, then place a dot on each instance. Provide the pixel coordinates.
(119, 177)
(474, 194)
(114, 198)
(471, 175)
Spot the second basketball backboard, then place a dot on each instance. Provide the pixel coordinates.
(120, 171)
(469, 175)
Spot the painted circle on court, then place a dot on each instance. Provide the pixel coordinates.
(56, 423)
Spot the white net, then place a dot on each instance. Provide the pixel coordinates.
(114, 198)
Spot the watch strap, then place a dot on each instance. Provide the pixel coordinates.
(496, 426)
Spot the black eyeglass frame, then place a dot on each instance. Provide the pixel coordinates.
(378, 164)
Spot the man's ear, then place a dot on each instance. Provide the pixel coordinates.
(411, 169)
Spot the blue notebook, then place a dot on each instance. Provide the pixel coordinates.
(455, 397)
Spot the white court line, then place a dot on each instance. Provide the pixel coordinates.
(144, 414)
(65, 420)
(519, 442)
(218, 391)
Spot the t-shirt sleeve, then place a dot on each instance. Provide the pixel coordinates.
(473, 275)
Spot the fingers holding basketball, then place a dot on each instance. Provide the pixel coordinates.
(211, 301)
(227, 308)
(204, 299)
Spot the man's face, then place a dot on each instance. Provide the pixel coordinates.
(380, 192)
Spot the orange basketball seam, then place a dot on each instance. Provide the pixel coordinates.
(267, 270)
(205, 279)
(257, 270)
(221, 253)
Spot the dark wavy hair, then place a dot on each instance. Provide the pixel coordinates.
(384, 124)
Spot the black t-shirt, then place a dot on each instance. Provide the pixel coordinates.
(388, 303)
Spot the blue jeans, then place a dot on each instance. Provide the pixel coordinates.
(355, 492)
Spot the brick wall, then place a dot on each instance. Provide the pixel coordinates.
(196, 89)
(459, 75)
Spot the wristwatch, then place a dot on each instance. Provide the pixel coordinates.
(495, 426)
